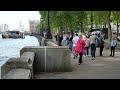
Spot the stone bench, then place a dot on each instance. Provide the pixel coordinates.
(23, 63)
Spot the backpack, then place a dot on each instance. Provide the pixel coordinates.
(97, 42)
(87, 43)
(101, 42)
(116, 44)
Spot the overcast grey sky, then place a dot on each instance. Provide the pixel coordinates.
(12, 18)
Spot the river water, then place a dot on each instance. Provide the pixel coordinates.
(11, 47)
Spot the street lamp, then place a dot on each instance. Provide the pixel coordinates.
(41, 27)
(48, 31)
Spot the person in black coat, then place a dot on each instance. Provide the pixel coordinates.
(101, 44)
(60, 38)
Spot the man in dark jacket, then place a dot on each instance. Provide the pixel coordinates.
(60, 38)
(101, 43)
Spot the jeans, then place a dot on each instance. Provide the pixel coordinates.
(70, 45)
(80, 58)
(112, 51)
(92, 47)
(64, 42)
(101, 49)
(87, 49)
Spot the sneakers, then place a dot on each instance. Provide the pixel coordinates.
(84, 55)
(92, 58)
(79, 63)
(75, 56)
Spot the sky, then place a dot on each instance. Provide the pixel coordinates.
(12, 18)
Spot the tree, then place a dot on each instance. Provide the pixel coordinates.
(91, 19)
(105, 17)
(116, 19)
(108, 14)
(80, 19)
(68, 20)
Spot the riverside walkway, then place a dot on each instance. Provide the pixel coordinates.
(104, 67)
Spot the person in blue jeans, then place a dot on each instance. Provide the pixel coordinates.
(113, 45)
(93, 45)
(64, 41)
(70, 42)
(101, 44)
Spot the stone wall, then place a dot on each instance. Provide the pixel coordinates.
(38, 37)
(50, 58)
(44, 41)
(18, 68)
(49, 43)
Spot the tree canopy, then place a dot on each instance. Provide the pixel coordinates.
(80, 20)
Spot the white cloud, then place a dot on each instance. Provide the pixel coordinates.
(12, 18)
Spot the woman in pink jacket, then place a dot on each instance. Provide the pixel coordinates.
(80, 48)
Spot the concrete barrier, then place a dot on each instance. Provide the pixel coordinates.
(18, 73)
(23, 63)
(35, 59)
(49, 43)
(38, 36)
(50, 58)
(44, 41)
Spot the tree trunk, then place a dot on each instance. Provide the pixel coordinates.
(81, 27)
(117, 29)
(91, 20)
(109, 29)
(105, 25)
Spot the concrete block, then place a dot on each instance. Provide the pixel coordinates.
(31, 56)
(50, 58)
(39, 60)
(25, 61)
(18, 73)
(44, 41)
(49, 43)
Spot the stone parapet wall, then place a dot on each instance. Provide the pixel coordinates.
(23, 63)
(50, 58)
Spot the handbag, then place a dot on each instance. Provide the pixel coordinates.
(84, 51)
(77, 50)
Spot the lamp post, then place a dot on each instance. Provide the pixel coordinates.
(42, 29)
(48, 31)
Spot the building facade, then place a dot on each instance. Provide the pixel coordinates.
(32, 25)
(4, 27)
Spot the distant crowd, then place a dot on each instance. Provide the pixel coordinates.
(79, 44)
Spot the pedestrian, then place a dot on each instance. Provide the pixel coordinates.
(84, 38)
(70, 43)
(93, 45)
(56, 36)
(87, 41)
(113, 45)
(60, 38)
(64, 41)
(101, 43)
(74, 40)
(80, 47)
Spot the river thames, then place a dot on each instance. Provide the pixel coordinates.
(11, 47)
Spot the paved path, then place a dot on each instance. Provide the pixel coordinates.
(105, 67)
